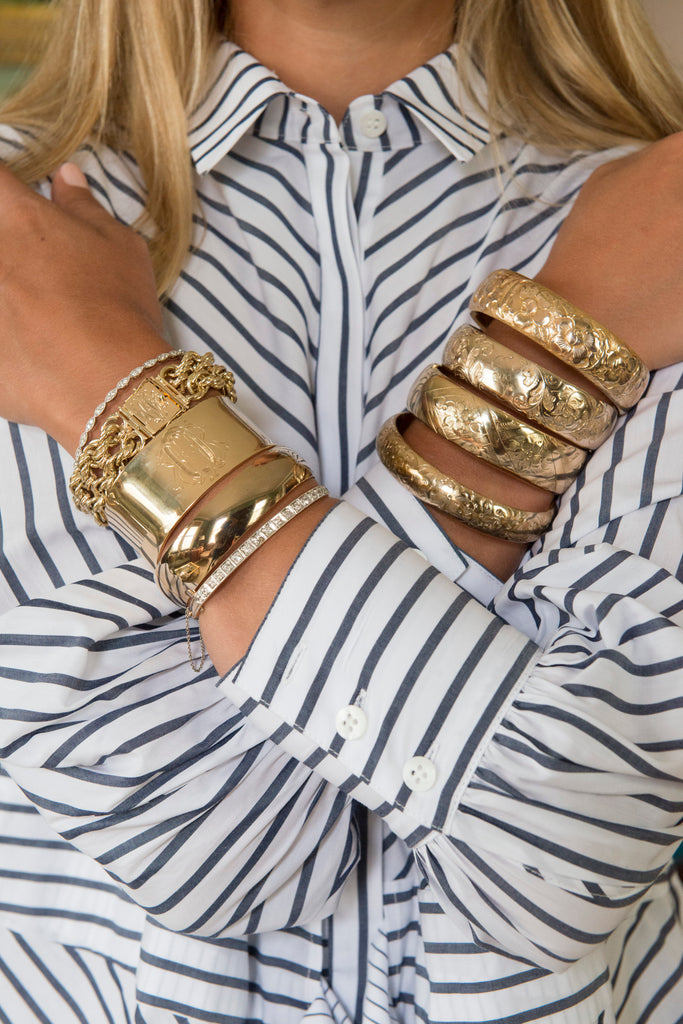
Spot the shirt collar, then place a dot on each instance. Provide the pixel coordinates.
(434, 94)
(242, 88)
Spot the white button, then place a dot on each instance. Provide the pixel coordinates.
(351, 722)
(419, 774)
(373, 123)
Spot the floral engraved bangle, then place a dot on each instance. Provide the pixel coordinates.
(529, 389)
(565, 331)
(467, 419)
(435, 488)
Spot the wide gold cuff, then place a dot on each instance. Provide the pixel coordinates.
(529, 389)
(216, 527)
(432, 486)
(468, 420)
(565, 331)
(155, 489)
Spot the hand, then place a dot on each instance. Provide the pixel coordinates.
(619, 254)
(78, 304)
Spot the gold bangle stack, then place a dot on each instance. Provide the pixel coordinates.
(508, 411)
(186, 480)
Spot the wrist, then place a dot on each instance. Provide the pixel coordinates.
(231, 617)
(73, 410)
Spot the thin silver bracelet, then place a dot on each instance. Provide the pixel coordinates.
(111, 395)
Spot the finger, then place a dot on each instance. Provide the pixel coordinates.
(71, 192)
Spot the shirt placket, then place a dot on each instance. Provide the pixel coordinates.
(339, 371)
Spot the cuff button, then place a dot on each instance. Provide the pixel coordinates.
(419, 774)
(351, 722)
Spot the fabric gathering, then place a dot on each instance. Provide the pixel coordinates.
(426, 790)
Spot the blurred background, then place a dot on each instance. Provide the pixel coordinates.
(22, 26)
(24, 22)
(666, 17)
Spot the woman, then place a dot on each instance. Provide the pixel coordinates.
(393, 805)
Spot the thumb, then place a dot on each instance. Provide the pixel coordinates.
(71, 192)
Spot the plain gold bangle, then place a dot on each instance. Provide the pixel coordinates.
(565, 331)
(468, 420)
(157, 487)
(432, 486)
(254, 541)
(529, 389)
(217, 525)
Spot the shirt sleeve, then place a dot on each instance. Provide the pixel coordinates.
(222, 820)
(153, 772)
(535, 768)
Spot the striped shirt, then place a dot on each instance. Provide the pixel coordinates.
(420, 797)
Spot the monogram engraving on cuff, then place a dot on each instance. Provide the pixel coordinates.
(190, 456)
(149, 408)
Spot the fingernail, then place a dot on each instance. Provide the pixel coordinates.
(73, 175)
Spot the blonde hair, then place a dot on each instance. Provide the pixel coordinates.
(124, 73)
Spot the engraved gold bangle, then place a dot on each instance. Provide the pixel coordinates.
(216, 527)
(155, 403)
(435, 488)
(468, 420)
(565, 331)
(155, 490)
(528, 388)
(255, 540)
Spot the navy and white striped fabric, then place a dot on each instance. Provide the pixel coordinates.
(209, 850)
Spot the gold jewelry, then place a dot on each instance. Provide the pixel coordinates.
(218, 524)
(529, 389)
(250, 545)
(155, 490)
(152, 406)
(565, 331)
(465, 418)
(435, 488)
(122, 384)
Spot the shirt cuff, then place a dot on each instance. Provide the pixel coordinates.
(380, 673)
(379, 495)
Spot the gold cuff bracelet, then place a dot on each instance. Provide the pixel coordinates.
(435, 488)
(465, 418)
(155, 490)
(565, 331)
(529, 389)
